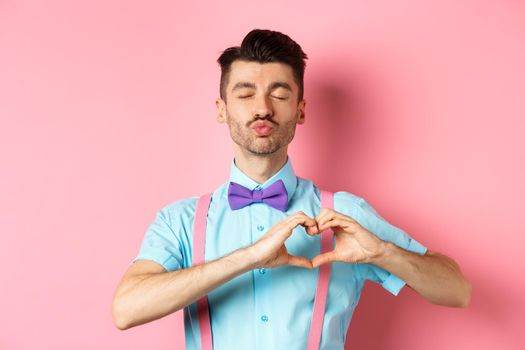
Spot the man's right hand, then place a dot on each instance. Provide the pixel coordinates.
(148, 292)
(270, 251)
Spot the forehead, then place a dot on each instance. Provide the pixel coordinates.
(263, 74)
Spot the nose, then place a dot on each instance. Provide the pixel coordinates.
(263, 107)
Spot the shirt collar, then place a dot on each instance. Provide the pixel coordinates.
(286, 174)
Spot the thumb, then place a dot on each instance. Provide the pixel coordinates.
(323, 259)
(299, 261)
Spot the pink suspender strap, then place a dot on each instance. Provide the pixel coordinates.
(327, 240)
(199, 238)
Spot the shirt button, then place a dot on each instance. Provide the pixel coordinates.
(260, 227)
(262, 271)
(264, 318)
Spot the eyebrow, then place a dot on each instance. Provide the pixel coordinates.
(243, 85)
(280, 84)
(248, 85)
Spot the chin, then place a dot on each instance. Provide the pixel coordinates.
(262, 150)
(263, 146)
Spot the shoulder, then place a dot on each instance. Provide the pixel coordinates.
(182, 211)
(345, 198)
(179, 205)
(356, 203)
(349, 203)
(344, 201)
(179, 211)
(355, 206)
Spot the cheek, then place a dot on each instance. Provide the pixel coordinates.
(286, 110)
(239, 113)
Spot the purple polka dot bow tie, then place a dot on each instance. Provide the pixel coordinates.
(274, 195)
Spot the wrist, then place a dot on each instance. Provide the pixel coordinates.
(247, 258)
(385, 251)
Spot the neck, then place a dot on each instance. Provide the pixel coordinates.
(260, 167)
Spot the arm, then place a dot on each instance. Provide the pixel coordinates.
(434, 276)
(147, 292)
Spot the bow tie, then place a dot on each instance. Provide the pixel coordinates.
(274, 195)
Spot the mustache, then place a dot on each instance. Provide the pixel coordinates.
(268, 119)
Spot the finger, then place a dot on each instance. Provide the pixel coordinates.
(303, 220)
(299, 261)
(323, 214)
(329, 214)
(298, 215)
(323, 259)
(313, 230)
(286, 226)
(308, 223)
(326, 216)
(345, 224)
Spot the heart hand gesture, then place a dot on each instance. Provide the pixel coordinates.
(353, 243)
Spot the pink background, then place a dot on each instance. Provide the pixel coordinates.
(107, 114)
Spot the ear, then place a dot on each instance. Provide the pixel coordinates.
(300, 112)
(221, 110)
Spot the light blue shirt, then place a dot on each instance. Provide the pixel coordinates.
(270, 308)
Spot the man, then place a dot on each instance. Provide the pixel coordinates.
(262, 261)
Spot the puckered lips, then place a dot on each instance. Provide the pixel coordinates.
(262, 128)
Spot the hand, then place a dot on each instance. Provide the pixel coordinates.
(270, 251)
(353, 243)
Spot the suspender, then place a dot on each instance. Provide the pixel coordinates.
(316, 328)
(199, 237)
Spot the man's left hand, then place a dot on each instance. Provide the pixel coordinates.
(353, 243)
(434, 276)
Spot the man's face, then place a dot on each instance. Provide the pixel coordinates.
(261, 106)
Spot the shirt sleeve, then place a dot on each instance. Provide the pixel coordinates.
(368, 217)
(161, 243)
